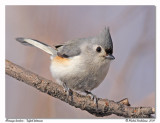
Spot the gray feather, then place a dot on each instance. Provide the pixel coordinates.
(106, 40)
(70, 48)
(38, 44)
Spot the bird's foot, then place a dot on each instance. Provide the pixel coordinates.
(92, 96)
(67, 90)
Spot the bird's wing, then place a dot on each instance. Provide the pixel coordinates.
(69, 49)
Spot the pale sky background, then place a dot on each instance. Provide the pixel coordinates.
(131, 74)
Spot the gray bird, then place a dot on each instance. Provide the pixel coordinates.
(80, 64)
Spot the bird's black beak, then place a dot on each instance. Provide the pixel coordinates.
(110, 57)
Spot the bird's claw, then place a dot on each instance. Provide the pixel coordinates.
(92, 96)
(67, 90)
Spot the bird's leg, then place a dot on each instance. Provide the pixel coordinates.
(93, 97)
(66, 89)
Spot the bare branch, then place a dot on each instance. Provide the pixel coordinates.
(105, 107)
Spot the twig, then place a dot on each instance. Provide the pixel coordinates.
(105, 107)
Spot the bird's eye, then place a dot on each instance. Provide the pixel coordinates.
(98, 49)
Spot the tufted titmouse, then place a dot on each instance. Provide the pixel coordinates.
(80, 64)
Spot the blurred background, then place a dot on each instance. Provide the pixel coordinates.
(131, 75)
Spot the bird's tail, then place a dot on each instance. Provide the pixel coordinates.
(38, 44)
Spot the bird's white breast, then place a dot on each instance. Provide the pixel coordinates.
(61, 67)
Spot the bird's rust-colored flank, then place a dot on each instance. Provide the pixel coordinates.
(60, 60)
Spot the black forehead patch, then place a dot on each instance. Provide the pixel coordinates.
(109, 51)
